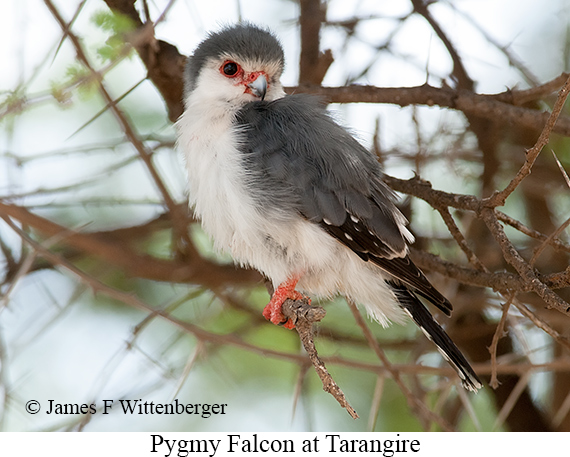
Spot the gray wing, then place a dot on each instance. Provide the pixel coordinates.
(299, 159)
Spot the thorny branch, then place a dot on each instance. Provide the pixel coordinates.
(304, 316)
(131, 300)
(494, 108)
(498, 199)
(525, 271)
(459, 72)
(184, 245)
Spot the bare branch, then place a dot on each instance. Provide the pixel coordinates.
(120, 254)
(485, 106)
(165, 65)
(523, 268)
(304, 316)
(499, 333)
(498, 199)
(460, 239)
(463, 79)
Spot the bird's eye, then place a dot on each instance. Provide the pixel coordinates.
(230, 68)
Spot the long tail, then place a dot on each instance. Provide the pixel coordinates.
(450, 352)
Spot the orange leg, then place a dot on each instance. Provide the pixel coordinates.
(285, 290)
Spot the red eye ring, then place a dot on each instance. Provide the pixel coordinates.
(230, 69)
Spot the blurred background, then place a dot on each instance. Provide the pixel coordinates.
(110, 290)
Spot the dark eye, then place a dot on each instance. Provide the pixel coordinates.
(230, 68)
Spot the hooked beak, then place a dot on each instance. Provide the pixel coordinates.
(259, 86)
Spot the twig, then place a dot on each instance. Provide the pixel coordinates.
(499, 198)
(500, 281)
(375, 404)
(562, 412)
(548, 241)
(304, 316)
(463, 79)
(521, 97)
(467, 403)
(499, 333)
(118, 253)
(230, 339)
(165, 65)
(513, 59)
(165, 11)
(131, 300)
(420, 188)
(303, 369)
(556, 244)
(526, 272)
(539, 323)
(562, 170)
(187, 369)
(460, 239)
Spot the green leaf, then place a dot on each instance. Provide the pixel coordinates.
(118, 26)
(85, 80)
(115, 23)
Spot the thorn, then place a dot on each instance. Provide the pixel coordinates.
(562, 170)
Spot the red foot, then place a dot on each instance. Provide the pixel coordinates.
(272, 311)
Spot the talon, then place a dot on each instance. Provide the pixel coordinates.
(286, 323)
(289, 324)
(267, 312)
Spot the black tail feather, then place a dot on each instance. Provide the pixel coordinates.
(451, 353)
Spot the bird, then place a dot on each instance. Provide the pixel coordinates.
(285, 189)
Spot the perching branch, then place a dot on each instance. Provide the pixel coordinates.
(304, 316)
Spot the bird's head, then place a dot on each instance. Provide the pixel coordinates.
(237, 65)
